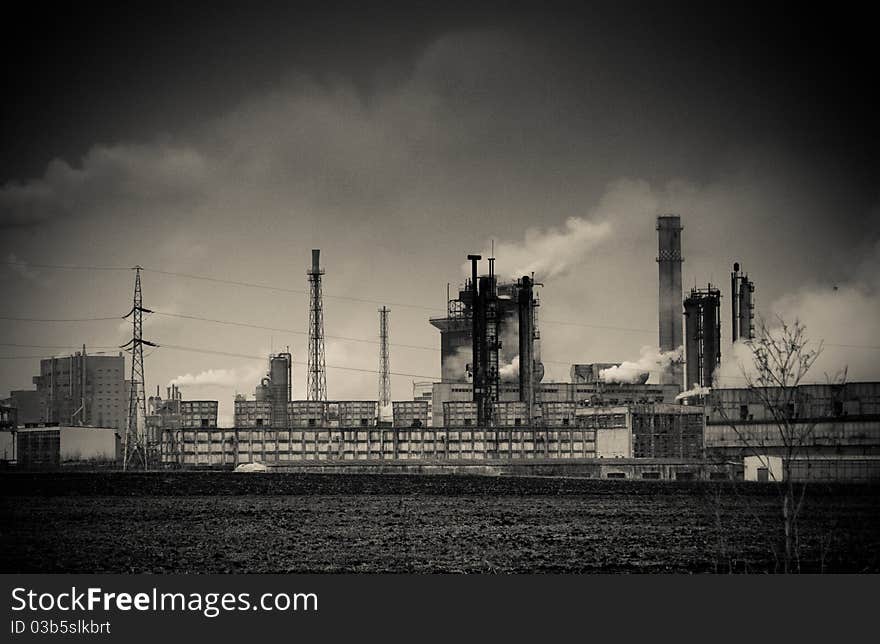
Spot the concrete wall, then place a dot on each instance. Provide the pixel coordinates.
(635, 469)
(614, 442)
(89, 444)
(7, 446)
(773, 465)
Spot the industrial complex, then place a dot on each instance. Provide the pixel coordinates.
(490, 410)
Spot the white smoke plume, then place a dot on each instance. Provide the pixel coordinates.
(736, 363)
(459, 363)
(218, 378)
(552, 252)
(652, 361)
(510, 371)
(696, 390)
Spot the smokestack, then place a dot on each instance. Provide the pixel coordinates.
(526, 344)
(316, 260)
(669, 266)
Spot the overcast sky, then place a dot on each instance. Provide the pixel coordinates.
(229, 143)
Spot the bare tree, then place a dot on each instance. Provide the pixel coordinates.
(782, 356)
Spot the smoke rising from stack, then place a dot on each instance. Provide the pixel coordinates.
(510, 372)
(652, 361)
(696, 390)
(552, 252)
(459, 361)
(217, 377)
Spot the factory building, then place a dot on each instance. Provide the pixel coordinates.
(456, 331)
(175, 413)
(825, 420)
(594, 394)
(702, 312)
(648, 435)
(79, 389)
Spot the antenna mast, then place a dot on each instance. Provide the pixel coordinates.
(316, 385)
(384, 362)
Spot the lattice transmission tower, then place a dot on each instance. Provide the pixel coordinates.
(316, 383)
(384, 361)
(135, 445)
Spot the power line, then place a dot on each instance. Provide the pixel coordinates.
(281, 289)
(68, 266)
(283, 330)
(298, 362)
(53, 346)
(304, 292)
(17, 319)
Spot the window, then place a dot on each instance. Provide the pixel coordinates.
(311, 422)
(565, 421)
(364, 422)
(650, 475)
(259, 422)
(743, 412)
(615, 475)
(517, 421)
(204, 422)
(467, 422)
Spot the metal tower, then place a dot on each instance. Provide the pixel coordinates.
(135, 449)
(742, 302)
(316, 385)
(384, 362)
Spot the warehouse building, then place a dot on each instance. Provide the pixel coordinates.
(825, 420)
(54, 447)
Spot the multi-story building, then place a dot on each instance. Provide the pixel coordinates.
(78, 389)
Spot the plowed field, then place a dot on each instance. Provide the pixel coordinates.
(227, 522)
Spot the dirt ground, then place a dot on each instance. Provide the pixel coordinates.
(226, 522)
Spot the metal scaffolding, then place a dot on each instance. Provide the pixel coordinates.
(316, 385)
(384, 360)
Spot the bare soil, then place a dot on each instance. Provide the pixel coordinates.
(225, 522)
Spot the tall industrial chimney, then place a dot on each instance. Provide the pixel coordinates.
(669, 263)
